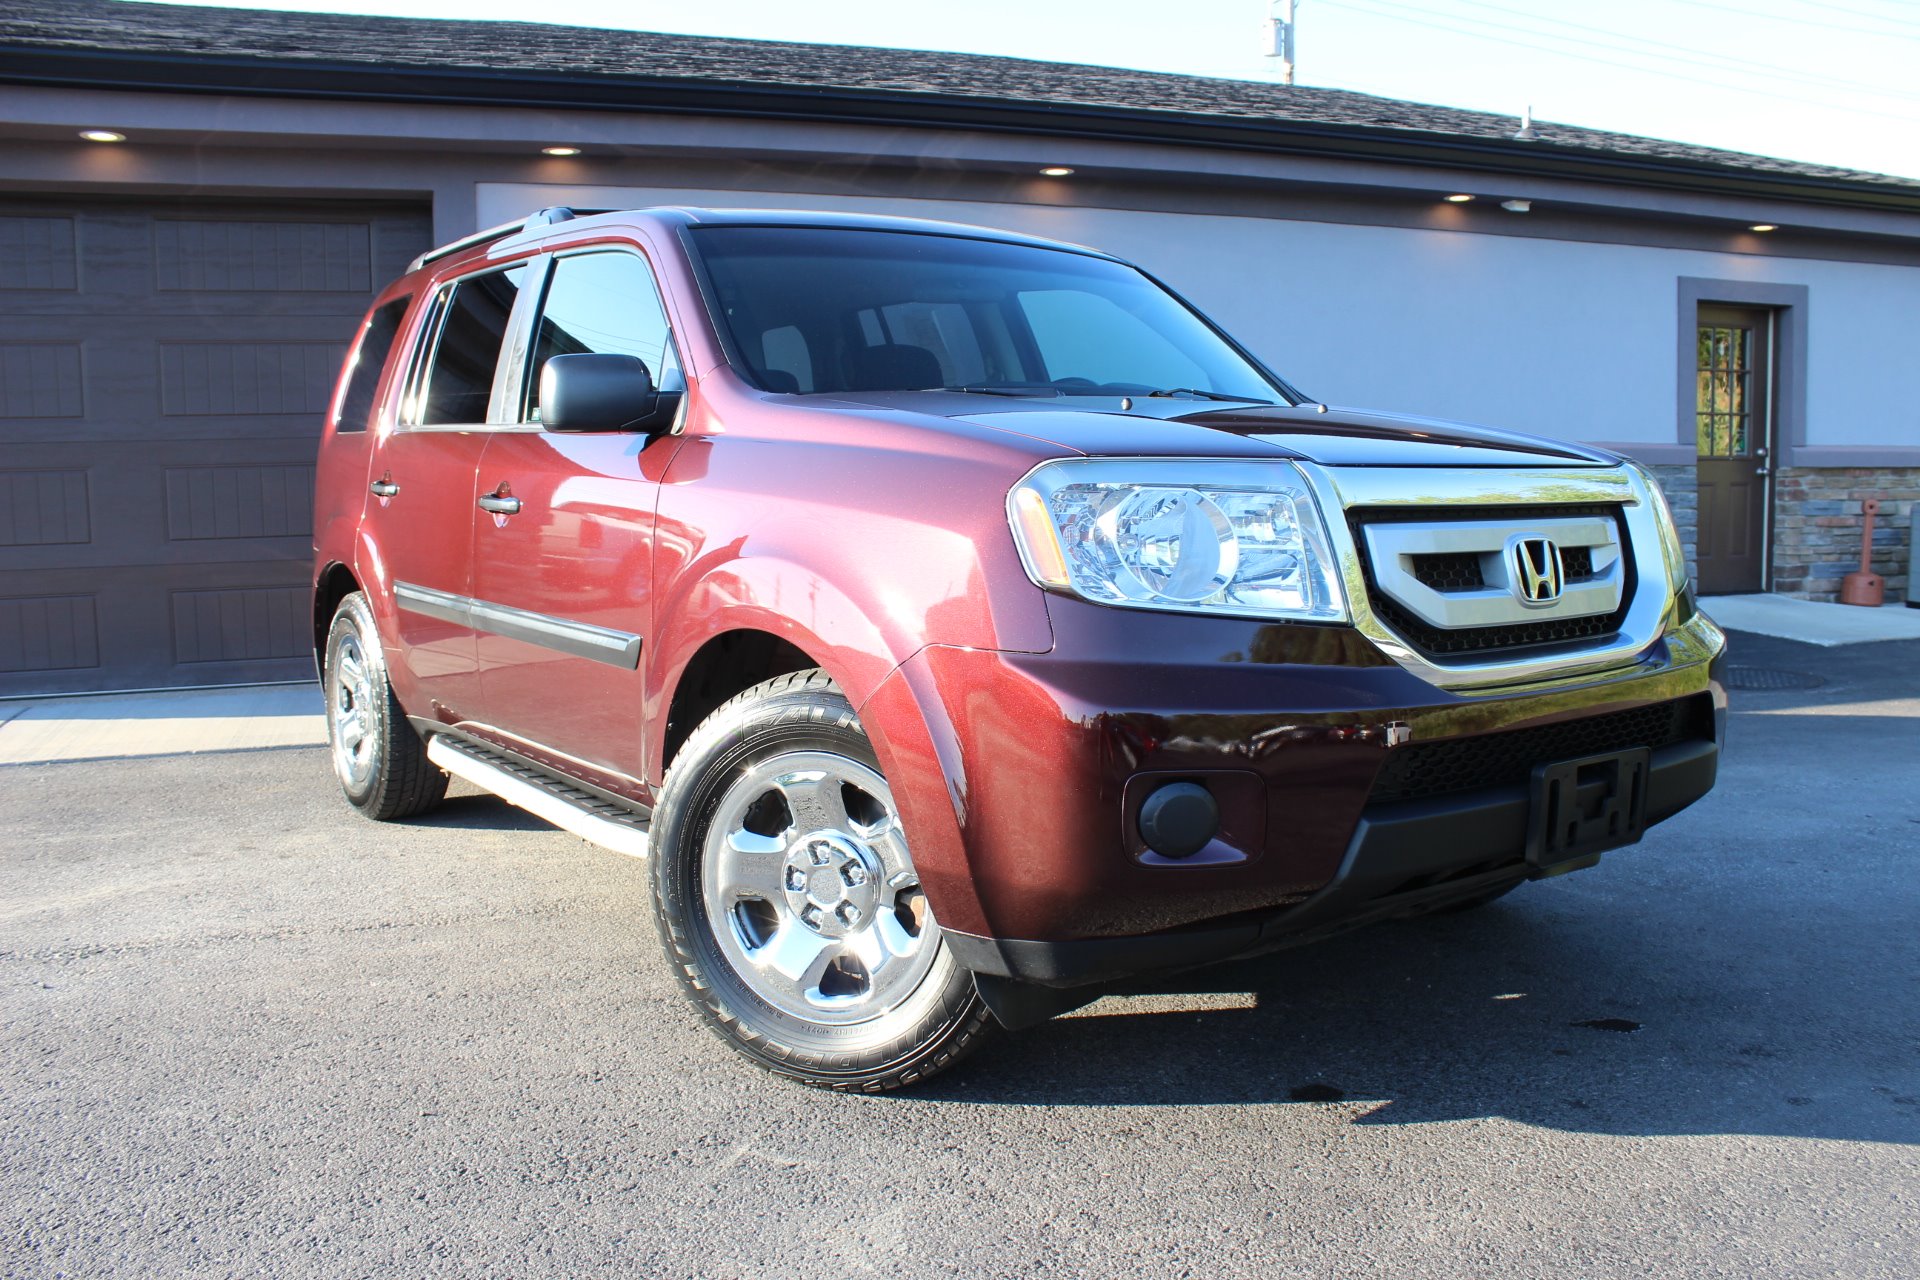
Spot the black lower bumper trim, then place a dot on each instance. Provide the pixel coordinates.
(1403, 858)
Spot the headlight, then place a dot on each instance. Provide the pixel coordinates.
(1190, 535)
(1670, 544)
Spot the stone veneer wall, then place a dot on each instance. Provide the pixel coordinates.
(1681, 484)
(1816, 524)
(1816, 527)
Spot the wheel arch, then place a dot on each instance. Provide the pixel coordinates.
(713, 621)
(332, 584)
(721, 667)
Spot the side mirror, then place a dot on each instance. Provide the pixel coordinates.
(594, 392)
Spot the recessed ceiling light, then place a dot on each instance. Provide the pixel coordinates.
(1458, 199)
(559, 151)
(1517, 206)
(1056, 171)
(102, 135)
(1763, 226)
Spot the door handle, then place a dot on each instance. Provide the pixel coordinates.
(500, 504)
(384, 488)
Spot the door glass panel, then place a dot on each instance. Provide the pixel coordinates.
(605, 304)
(461, 380)
(1724, 393)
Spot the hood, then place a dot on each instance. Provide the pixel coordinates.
(1098, 426)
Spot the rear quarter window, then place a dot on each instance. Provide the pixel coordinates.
(364, 367)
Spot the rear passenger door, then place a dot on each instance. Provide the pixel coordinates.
(563, 575)
(421, 506)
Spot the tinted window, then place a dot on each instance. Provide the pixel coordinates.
(837, 310)
(461, 379)
(1086, 337)
(369, 358)
(607, 304)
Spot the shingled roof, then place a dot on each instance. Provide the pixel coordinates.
(103, 43)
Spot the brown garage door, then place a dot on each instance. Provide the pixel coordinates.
(163, 372)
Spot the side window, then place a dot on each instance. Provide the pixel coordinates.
(604, 304)
(474, 326)
(369, 358)
(1089, 337)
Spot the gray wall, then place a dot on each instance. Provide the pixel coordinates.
(1569, 339)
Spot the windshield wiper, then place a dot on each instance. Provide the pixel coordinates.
(1170, 392)
(1002, 391)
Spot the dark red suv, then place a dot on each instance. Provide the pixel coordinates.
(960, 620)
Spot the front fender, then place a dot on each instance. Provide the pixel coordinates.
(756, 595)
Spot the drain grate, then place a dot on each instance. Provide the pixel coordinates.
(1769, 678)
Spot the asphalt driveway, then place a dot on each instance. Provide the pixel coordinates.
(246, 1032)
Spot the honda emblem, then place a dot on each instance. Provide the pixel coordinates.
(1538, 573)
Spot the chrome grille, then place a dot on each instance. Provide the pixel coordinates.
(1436, 577)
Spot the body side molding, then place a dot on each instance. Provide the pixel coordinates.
(579, 639)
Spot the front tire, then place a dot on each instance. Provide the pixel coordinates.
(381, 762)
(787, 901)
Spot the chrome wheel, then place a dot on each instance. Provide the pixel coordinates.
(350, 713)
(811, 893)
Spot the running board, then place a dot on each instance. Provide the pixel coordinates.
(594, 820)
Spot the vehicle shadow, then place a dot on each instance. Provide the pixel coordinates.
(467, 809)
(1524, 1010)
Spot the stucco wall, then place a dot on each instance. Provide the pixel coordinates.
(1568, 339)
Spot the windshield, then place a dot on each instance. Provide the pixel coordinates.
(837, 310)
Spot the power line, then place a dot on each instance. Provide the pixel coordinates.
(1825, 5)
(1691, 58)
(1772, 93)
(1624, 43)
(1826, 21)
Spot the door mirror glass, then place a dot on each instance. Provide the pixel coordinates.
(595, 392)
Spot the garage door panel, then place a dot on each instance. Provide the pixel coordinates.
(40, 634)
(70, 265)
(257, 255)
(164, 372)
(49, 507)
(156, 503)
(41, 380)
(37, 253)
(247, 379)
(241, 621)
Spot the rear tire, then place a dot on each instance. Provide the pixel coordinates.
(787, 902)
(381, 762)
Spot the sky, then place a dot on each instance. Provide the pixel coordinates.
(1829, 81)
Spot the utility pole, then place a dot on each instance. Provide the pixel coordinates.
(1280, 37)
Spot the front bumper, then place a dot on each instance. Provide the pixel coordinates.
(1019, 776)
(1403, 859)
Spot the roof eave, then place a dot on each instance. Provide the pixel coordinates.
(305, 78)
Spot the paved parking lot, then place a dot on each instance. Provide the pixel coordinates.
(246, 1032)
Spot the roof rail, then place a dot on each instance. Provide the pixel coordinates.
(539, 218)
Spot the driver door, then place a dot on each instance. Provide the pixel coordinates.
(563, 561)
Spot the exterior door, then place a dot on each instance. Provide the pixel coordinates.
(1734, 419)
(563, 582)
(421, 512)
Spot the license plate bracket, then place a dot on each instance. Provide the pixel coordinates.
(1583, 807)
